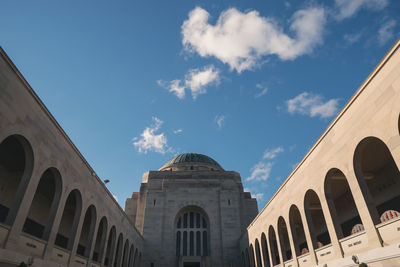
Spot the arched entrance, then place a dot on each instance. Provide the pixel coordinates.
(192, 237)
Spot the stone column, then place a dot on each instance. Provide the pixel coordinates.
(278, 244)
(92, 240)
(76, 236)
(309, 239)
(24, 196)
(293, 248)
(103, 255)
(54, 230)
(366, 208)
(337, 250)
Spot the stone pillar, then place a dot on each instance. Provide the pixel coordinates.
(337, 250)
(54, 230)
(24, 196)
(103, 255)
(293, 248)
(310, 240)
(278, 244)
(76, 236)
(103, 244)
(366, 208)
(92, 240)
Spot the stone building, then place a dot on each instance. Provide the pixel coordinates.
(191, 213)
(339, 207)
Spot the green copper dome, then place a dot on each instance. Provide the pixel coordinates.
(196, 159)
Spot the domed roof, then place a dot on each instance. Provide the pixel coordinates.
(196, 159)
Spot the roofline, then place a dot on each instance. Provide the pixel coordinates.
(335, 120)
(63, 133)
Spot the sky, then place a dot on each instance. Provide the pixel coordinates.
(252, 84)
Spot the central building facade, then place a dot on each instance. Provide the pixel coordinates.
(191, 212)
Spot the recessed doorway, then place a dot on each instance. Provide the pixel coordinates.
(191, 264)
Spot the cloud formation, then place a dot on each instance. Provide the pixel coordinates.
(312, 105)
(242, 39)
(196, 80)
(260, 171)
(348, 8)
(386, 32)
(263, 90)
(219, 120)
(272, 153)
(178, 131)
(150, 141)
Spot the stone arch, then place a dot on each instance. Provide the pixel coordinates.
(192, 228)
(341, 203)
(378, 177)
(98, 250)
(284, 239)
(110, 247)
(316, 220)
(118, 251)
(125, 254)
(298, 234)
(87, 232)
(258, 253)
(16, 166)
(264, 248)
(44, 205)
(273, 245)
(69, 220)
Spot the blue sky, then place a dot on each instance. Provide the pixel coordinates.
(252, 84)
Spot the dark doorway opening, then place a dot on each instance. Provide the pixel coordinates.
(191, 264)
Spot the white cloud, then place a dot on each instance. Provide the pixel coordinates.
(260, 171)
(272, 153)
(242, 39)
(150, 141)
(347, 8)
(219, 120)
(196, 80)
(174, 87)
(263, 91)
(312, 105)
(386, 32)
(178, 131)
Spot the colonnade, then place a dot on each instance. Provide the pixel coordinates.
(37, 203)
(311, 226)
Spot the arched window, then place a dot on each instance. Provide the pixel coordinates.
(118, 251)
(258, 254)
(284, 239)
(379, 178)
(110, 247)
(16, 164)
(69, 221)
(299, 238)
(265, 253)
(316, 220)
(192, 233)
(87, 232)
(341, 203)
(273, 245)
(44, 205)
(100, 240)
